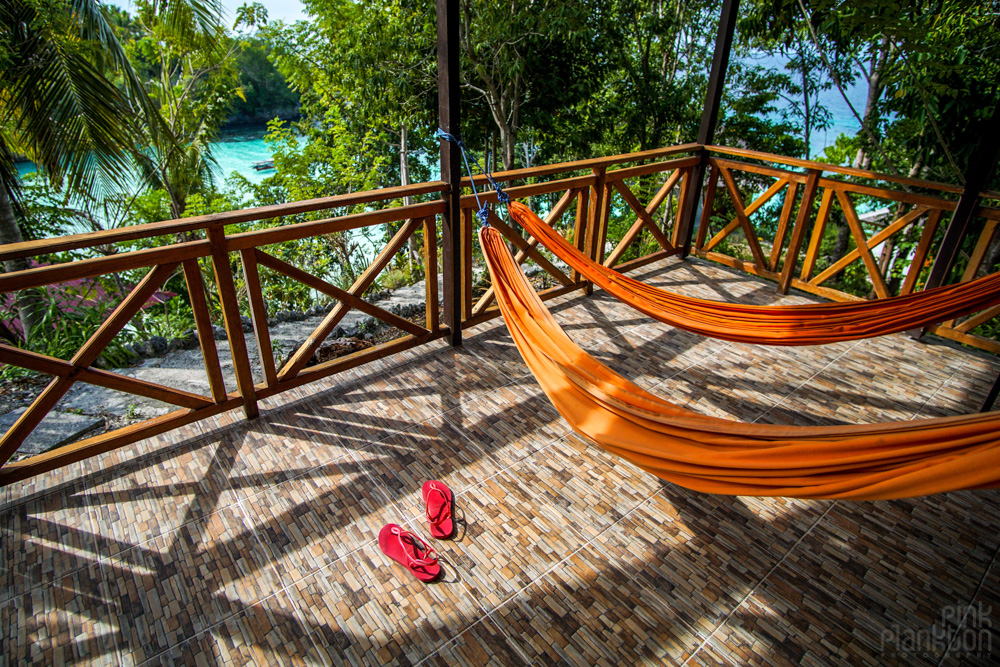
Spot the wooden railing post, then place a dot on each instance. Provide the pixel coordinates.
(594, 216)
(798, 230)
(451, 171)
(231, 315)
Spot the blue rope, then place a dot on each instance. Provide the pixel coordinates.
(483, 213)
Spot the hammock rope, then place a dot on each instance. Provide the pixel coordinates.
(812, 324)
(711, 455)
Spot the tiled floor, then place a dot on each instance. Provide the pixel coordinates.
(234, 542)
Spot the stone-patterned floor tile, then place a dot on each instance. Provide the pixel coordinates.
(789, 621)
(590, 487)
(495, 346)
(682, 545)
(45, 539)
(281, 444)
(314, 520)
(648, 362)
(588, 612)
(158, 494)
(269, 632)
(369, 610)
(362, 413)
(68, 621)
(976, 640)
(513, 422)
(434, 450)
(897, 559)
(482, 645)
(507, 538)
(452, 376)
(182, 583)
(736, 382)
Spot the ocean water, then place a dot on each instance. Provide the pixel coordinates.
(842, 119)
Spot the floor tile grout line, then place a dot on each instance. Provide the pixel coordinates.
(807, 381)
(968, 607)
(754, 588)
(919, 411)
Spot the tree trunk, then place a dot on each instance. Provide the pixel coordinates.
(29, 302)
(841, 245)
(863, 160)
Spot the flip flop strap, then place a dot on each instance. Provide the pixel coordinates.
(441, 516)
(431, 557)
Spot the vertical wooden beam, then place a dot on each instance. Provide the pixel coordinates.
(991, 397)
(594, 218)
(231, 316)
(203, 325)
(706, 208)
(431, 272)
(580, 227)
(709, 116)
(977, 175)
(679, 216)
(602, 223)
(449, 118)
(466, 282)
(798, 230)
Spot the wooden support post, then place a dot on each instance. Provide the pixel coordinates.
(451, 169)
(709, 117)
(594, 209)
(977, 176)
(231, 316)
(991, 397)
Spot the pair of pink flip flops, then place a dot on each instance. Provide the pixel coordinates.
(408, 549)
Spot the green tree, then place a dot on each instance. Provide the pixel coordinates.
(191, 75)
(62, 108)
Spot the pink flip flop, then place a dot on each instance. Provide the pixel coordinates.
(409, 551)
(439, 499)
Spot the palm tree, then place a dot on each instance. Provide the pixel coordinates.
(59, 107)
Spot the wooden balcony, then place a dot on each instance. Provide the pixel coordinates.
(208, 538)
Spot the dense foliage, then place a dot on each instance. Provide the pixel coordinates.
(546, 81)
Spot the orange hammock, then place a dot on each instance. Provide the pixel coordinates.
(866, 462)
(813, 324)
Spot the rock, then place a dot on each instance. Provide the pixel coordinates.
(218, 333)
(367, 336)
(339, 348)
(57, 428)
(282, 315)
(531, 270)
(157, 346)
(338, 332)
(350, 332)
(183, 342)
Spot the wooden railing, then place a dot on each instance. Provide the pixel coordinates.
(641, 193)
(918, 207)
(217, 247)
